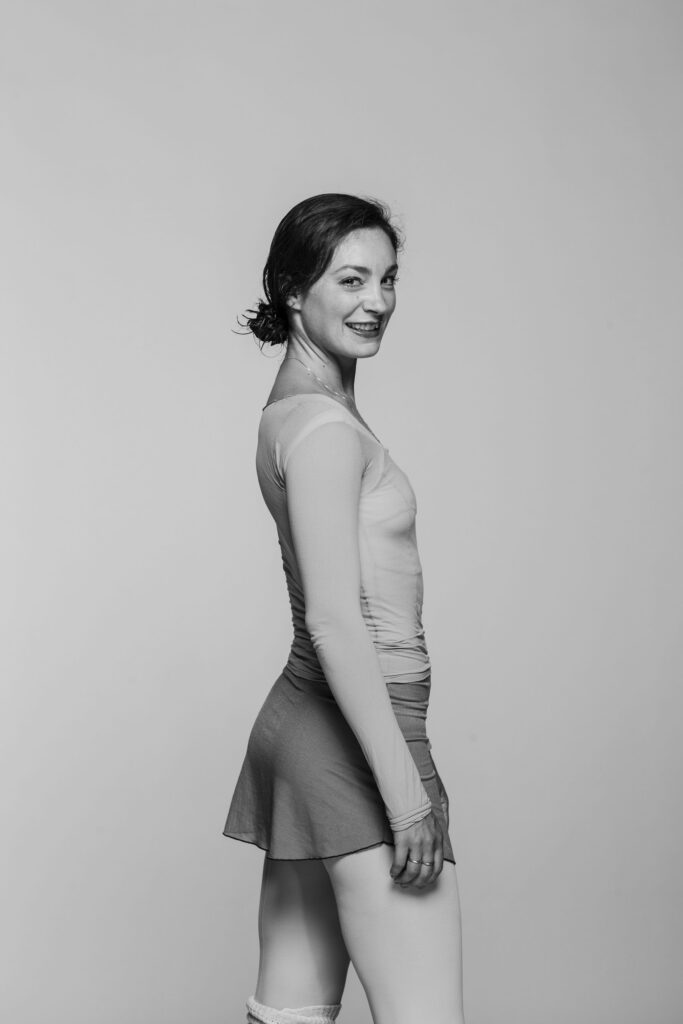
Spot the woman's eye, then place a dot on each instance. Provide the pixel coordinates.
(392, 279)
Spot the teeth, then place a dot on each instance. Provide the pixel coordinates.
(364, 327)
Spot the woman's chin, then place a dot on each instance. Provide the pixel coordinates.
(369, 348)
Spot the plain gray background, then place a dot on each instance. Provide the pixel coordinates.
(529, 384)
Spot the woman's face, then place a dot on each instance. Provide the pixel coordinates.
(346, 311)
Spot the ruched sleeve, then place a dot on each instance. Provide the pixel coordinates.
(322, 466)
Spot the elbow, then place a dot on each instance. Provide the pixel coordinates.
(325, 624)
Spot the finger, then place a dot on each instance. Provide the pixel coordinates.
(438, 863)
(426, 874)
(432, 860)
(400, 855)
(424, 877)
(437, 854)
(412, 868)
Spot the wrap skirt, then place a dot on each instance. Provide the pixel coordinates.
(305, 790)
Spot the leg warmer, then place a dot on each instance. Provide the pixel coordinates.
(257, 1013)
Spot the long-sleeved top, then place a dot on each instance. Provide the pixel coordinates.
(345, 517)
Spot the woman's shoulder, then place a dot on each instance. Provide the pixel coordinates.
(283, 391)
(282, 417)
(285, 422)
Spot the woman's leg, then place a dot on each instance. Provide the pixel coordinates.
(303, 957)
(405, 944)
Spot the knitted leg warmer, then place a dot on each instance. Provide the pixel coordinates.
(257, 1013)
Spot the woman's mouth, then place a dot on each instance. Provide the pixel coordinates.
(368, 328)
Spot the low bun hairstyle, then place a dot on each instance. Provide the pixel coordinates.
(301, 250)
(267, 324)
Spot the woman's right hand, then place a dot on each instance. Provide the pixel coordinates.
(422, 841)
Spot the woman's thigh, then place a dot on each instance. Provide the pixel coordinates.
(303, 957)
(405, 944)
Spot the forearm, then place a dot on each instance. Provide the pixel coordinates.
(352, 669)
(324, 469)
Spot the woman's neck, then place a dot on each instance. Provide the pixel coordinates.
(325, 369)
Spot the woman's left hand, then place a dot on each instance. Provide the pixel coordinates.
(418, 853)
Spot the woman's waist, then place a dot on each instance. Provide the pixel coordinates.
(405, 660)
(409, 701)
(408, 682)
(402, 659)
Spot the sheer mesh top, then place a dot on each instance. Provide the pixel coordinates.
(376, 656)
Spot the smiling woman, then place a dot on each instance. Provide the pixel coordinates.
(338, 784)
(370, 326)
(337, 309)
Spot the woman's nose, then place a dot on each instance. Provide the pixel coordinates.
(376, 301)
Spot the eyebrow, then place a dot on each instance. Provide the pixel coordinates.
(363, 270)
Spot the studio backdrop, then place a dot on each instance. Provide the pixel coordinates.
(529, 384)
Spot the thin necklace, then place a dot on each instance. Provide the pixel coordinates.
(333, 391)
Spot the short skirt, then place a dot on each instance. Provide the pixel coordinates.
(305, 790)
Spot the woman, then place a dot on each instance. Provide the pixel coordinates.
(338, 785)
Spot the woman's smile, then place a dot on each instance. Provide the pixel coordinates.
(370, 328)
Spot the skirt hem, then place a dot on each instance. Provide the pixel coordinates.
(326, 856)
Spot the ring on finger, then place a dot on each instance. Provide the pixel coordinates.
(427, 863)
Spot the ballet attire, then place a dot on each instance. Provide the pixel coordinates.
(317, 781)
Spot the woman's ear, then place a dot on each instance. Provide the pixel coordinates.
(293, 301)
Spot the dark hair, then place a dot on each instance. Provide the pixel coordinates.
(302, 248)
